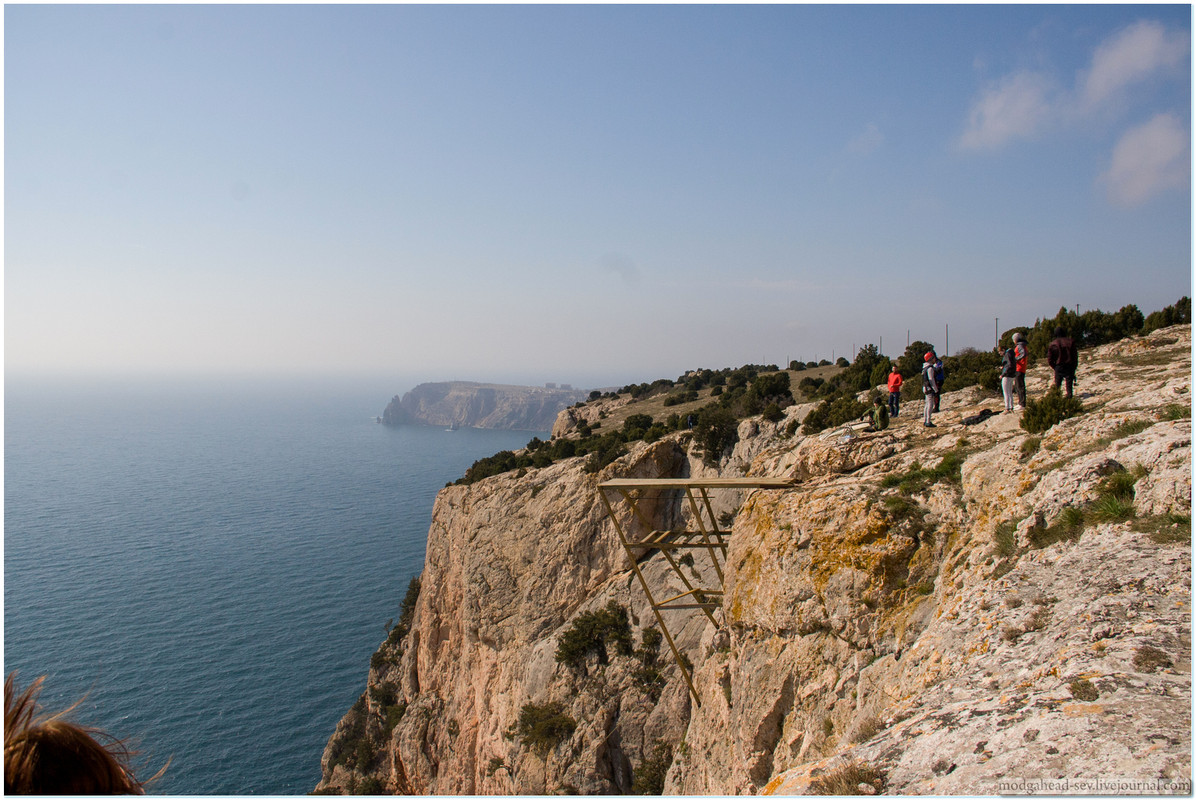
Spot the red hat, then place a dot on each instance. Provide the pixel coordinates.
(928, 357)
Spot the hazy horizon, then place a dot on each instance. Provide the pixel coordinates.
(595, 195)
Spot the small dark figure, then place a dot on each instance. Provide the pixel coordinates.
(1061, 355)
(940, 377)
(976, 419)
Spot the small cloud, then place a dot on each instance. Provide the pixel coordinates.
(622, 266)
(1015, 107)
(866, 142)
(1149, 159)
(1131, 56)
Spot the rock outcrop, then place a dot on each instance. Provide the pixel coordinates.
(956, 610)
(481, 405)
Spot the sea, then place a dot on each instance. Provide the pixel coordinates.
(209, 564)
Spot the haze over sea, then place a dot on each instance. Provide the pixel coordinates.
(212, 563)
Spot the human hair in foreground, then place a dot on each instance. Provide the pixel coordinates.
(45, 753)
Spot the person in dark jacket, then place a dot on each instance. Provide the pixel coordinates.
(1008, 376)
(940, 377)
(1061, 355)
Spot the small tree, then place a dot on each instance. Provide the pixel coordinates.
(1040, 415)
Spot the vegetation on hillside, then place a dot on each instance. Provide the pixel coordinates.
(755, 389)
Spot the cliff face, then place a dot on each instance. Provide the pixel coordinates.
(478, 405)
(945, 609)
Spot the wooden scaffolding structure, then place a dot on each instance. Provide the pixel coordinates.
(708, 537)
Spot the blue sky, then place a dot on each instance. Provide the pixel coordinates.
(586, 194)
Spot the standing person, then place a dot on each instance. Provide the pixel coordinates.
(940, 377)
(929, 389)
(895, 381)
(1061, 355)
(1008, 373)
(1021, 355)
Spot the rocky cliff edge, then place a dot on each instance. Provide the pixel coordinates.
(956, 610)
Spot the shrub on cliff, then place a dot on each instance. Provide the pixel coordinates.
(829, 413)
(1040, 415)
(542, 727)
(716, 430)
(648, 777)
(590, 634)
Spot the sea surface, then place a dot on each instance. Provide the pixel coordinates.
(212, 563)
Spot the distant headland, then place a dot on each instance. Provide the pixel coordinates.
(465, 404)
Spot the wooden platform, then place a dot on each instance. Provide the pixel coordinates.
(708, 537)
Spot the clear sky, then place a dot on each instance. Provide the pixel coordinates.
(585, 194)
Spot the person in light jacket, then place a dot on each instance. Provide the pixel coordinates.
(929, 389)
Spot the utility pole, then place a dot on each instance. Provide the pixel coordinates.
(996, 334)
(946, 340)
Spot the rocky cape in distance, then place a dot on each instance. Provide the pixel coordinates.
(464, 404)
(969, 609)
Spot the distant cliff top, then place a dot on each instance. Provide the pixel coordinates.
(482, 405)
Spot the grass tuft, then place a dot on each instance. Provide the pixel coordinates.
(846, 780)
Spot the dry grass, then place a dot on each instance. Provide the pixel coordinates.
(846, 780)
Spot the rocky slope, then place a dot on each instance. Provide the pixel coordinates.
(936, 611)
(481, 405)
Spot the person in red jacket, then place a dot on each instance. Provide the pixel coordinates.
(895, 382)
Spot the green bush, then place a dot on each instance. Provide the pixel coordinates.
(543, 727)
(590, 634)
(648, 777)
(1041, 415)
(716, 431)
(1178, 314)
(829, 413)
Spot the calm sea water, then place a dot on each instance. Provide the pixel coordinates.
(212, 565)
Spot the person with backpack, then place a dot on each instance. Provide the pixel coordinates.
(940, 377)
(1021, 355)
(929, 389)
(1008, 376)
(895, 381)
(1061, 355)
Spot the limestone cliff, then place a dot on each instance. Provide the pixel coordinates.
(943, 611)
(481, 405)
